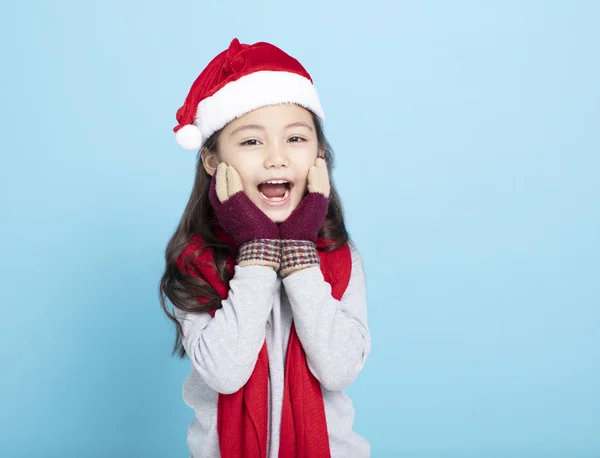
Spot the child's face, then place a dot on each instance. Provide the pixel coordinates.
(271, 152)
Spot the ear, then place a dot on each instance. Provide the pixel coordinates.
(209, 161)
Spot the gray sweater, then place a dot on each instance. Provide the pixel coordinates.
(224, 349)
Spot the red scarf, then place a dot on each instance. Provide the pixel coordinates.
(242, 416)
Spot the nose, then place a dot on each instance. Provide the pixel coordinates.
(276, 155)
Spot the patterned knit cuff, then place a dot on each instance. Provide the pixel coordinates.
(260, 252)
(297, 255)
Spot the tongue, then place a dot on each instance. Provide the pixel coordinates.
(272, 190)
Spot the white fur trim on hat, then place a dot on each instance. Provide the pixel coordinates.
(253, 91)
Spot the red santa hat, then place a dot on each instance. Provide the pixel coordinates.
(238, 80)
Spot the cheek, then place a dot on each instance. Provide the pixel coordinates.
(301, 190)
(250, 189)
(302, 183)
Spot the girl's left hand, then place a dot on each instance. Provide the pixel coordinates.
(308, 217)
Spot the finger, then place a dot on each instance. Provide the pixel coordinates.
(234, 181)
(221, 184)
(326, 184)
(310, 179)
(319, 179)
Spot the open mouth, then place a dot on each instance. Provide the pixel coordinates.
(275, 191)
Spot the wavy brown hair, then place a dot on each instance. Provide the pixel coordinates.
(183, 290)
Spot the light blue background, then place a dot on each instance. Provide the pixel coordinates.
(466, 140)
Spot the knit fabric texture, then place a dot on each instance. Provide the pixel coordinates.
(261, 306)
(297, 255)
(260, 252)
(242, 415)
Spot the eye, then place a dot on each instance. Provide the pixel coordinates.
(298, 138)
(251, 140)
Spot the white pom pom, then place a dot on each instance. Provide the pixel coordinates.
(189, 137)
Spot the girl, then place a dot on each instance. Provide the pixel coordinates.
(269, 292)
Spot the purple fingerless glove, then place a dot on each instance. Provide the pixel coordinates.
(255, 234)
(299, 232)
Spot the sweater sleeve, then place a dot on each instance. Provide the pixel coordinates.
(224, 348)
(334, 334)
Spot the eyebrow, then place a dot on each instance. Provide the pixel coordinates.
(259, 127)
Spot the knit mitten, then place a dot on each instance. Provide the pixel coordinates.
(255, 234)
(299, 231)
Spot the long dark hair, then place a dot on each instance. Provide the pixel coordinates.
(198, 217)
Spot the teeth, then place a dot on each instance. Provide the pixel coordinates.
(276, 181)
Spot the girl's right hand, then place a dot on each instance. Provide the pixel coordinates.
(237, 214)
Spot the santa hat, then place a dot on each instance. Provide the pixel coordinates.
(238, 80)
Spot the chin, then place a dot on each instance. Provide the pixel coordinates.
(278, 216)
